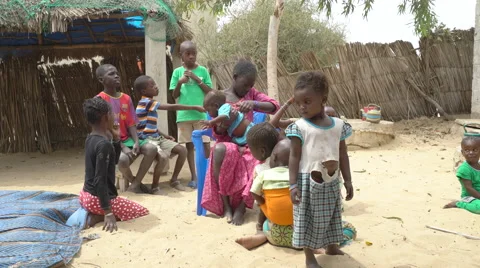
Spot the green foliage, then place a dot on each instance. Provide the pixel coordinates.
(422, 10)
(216, 7)
(247, 34)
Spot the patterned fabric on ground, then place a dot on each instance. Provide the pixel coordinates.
(278, 235)
(281, 235)
(317, 219)
(122, 208)
(33, 230)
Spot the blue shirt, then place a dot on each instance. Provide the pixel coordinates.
(225, 110)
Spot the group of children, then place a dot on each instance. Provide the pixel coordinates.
(306, 165)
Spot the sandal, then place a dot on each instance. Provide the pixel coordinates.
(177, 185)
(156, 191)
(192, 184)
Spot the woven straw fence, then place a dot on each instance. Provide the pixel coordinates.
(378, 73)
(41, 104)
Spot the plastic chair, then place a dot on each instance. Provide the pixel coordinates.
(201, 162)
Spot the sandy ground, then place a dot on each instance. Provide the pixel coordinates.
(411, 178)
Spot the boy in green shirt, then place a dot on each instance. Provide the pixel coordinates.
(190, 83)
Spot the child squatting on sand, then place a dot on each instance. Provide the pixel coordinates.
(318, 153)
(469, 176)
(102, 151)
(226, 117)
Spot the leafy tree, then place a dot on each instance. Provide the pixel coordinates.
(247, 34)
(422, 10)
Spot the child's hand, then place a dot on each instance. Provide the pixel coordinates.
(291, 101)
(199, 109)
(136, 148)
(110, 223)
(169, 138)
(295, 196)
(349, 187)
(193, 76)
(205, 124)
(246, 106)
(183, 80)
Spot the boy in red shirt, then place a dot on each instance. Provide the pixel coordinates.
(124, 115)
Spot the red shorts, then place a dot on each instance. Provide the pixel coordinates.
(122, 208)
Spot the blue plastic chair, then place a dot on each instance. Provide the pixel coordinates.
(201, 162)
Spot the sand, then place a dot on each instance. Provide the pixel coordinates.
(411, 178)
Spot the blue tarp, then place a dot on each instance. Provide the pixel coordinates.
(79, 33)
(33, 230)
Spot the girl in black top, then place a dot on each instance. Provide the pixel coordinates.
(102, 151)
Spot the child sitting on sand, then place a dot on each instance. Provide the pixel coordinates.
(226, 117)
(469, 176)
(99, 195)
(270, 187)
(318, 152)
(147, 128)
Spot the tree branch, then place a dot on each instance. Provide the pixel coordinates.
(430, 100)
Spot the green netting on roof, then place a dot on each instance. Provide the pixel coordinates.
(55, 15)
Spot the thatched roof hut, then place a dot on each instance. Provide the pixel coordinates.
(38, 20)
(44, 111)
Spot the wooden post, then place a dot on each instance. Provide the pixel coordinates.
(156, 67)
(155, 64)
(272, 49)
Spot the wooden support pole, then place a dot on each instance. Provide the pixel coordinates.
(92, 35)
(69, 38)
(40, 39)
(156, 65)
(123, 30)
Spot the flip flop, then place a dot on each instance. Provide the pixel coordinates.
(177, 185)
(144, 188)
(192, 184)
(156, 191)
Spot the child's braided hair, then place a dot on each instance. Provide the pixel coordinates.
(263, 134)
(94, 109)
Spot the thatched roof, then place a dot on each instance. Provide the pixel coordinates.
(39, 16)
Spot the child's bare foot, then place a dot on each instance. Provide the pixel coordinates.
(177, 185)
(251, 242)
(310, 259)
(334, 249)
(93, 219)
(138, 188)
(452, 204)
(228, 214)
(238, 216)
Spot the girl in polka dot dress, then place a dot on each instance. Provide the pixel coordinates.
(99, 195)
